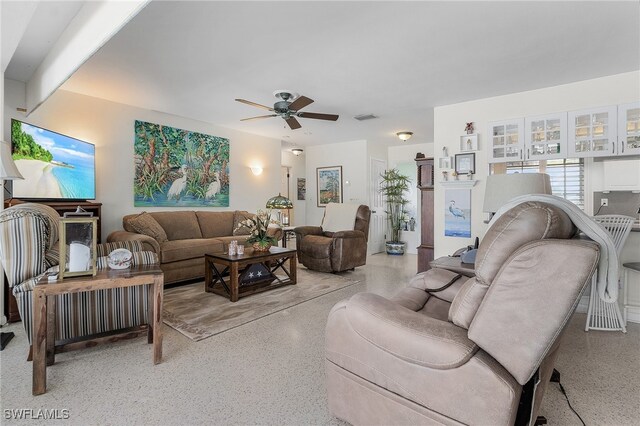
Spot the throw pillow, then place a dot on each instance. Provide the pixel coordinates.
(145, 224)
(239, 217)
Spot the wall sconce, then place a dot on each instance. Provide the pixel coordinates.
(404, 136)
(256, 170)
(297, 151)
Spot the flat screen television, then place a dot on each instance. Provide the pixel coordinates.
(54, 166)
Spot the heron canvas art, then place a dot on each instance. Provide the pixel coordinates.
(178, 168)
(457, 215)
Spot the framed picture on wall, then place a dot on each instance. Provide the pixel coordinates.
(329, 185)
(302, 188)
(465, 163)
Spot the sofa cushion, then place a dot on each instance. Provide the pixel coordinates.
(238, 217)
(173, 251)
(216, 224)
(180, 225)
(145, 224)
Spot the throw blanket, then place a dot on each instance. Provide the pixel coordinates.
(340, 217)
(608, 266)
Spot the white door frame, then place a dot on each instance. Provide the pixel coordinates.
(378, 222)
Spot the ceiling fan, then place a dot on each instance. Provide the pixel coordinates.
(288, 107)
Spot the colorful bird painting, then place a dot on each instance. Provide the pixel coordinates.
(179, 185)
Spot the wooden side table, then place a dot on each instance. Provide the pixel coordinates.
(44, 313)
(287, 231)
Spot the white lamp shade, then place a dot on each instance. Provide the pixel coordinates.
(8, 169)
(502, 188)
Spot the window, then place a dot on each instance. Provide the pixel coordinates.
(567, 175)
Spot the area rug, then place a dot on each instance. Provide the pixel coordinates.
(198, 315)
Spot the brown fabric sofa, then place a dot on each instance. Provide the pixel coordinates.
(189, 236)
(450, 349)
(334, 251)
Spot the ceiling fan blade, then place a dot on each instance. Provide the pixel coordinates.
(293, 123)
(300, 103)
(254, 104)
(260, 116)
(318, 116)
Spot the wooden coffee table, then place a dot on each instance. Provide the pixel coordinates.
(249, 273)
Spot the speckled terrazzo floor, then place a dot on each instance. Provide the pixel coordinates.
(271, 371)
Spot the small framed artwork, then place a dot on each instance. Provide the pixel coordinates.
(466, 163)
(468, 143)
(329, 185)
(444, 162)
(302, 188)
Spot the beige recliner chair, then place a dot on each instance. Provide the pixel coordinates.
(450, 349)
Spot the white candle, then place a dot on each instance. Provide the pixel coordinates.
(79, 256)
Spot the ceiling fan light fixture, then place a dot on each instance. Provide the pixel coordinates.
(297, 151)
(404, 136)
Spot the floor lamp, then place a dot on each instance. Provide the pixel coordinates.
(8, 171)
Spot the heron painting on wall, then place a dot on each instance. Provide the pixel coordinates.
(457, 214)
(178, 168)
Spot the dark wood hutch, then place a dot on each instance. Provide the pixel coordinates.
(426, 187)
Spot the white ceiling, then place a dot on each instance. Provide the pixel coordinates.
(49, 20)
(396, 60)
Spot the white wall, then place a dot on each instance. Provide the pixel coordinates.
(450, 121)
(352, 156)
(406, 154)
(297, 169)
(109, 126)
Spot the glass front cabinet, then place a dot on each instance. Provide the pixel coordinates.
(593, 132)
(628, 129)
(506, 140)
(545, 137)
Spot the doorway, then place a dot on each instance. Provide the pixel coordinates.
(378, 222)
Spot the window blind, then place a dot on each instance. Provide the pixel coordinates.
(567, 176)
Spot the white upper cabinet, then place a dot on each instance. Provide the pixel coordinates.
(593, 132)
(628, 129)
(506, 140)
(545, 137)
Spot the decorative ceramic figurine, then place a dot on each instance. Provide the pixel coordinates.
(444, 151)
(445, 176)
(412, 224)
(469, 128)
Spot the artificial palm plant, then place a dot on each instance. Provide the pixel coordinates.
(393, 187)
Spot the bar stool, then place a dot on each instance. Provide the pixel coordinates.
(603, 315)
(631, 266)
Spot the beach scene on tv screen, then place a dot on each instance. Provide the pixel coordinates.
(53, 165)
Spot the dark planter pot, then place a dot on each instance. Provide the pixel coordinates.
(395, 248)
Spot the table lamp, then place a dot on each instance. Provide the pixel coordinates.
(8, 171)
(504, 187)
(280, 202)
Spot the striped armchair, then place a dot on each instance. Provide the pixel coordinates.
(29, 249)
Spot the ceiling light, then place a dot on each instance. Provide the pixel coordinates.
(404, 135)
(297, 151)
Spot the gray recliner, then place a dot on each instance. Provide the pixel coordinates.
(450, 349)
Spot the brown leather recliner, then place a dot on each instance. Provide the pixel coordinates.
(450, 349)
(334, 251)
